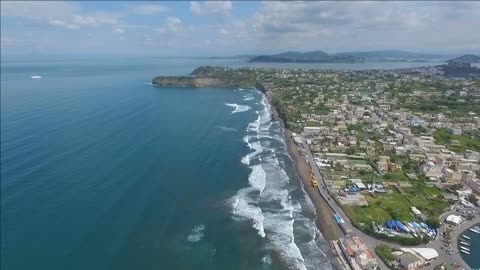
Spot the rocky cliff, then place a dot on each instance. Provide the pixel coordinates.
(210, 77)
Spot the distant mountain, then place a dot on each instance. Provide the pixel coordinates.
(307, 57)
(467, 58)
(392, 55)
(240, 57)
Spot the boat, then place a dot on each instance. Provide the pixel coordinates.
(464, 252)
(36, 77)
(464, 243)
(466, 237)
(474, 230)
(464, 248)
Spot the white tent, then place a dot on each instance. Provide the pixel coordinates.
(427, 254)
(453, 219)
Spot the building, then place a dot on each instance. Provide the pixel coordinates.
(358, 254)
(453, 220)
(312, 130)
(425, 254)
(408, 261)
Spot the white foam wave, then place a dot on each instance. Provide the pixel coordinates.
(257, 178)
(248, 97)
(257, 147)
(197, 234)
(226, 129)
(238, 108)
(283, 241)
(272, 211)
(267, 259)
(245, 209)
(255, 125)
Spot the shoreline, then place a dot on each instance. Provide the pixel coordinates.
(456, 234)
(324, 215)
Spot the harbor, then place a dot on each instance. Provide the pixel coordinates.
(469, 244)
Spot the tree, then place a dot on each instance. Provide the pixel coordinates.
(472, 199)
(350, 151)
(433, 222)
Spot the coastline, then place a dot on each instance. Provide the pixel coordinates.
(456, 239)
(324, 215)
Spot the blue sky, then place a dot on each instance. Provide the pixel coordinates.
(220, 28)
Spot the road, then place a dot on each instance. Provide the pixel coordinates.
(369, 241)
(372, 242)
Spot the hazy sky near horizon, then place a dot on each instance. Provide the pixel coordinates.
(227, 28)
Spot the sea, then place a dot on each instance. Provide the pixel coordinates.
(102, 170)
(473, 260)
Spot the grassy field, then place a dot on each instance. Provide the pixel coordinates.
(396, 206)
(442, 136)
(385, 253)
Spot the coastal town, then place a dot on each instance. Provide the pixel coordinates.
(395, 154)
(390, 158)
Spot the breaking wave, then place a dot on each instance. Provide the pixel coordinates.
(267, 202)
(238, 108)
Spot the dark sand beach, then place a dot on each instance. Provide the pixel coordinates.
(325, 222)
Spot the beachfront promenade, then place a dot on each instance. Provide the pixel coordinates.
(372, 242)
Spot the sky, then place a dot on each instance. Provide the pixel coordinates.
(222, 28)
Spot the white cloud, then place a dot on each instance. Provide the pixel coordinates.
(174, 24)
(350, 25)
(211, 7)
(60, 14)
(149, 9)
(119, 30)
(37, 9)
(224, 31)
(64, 24)
(75, 21)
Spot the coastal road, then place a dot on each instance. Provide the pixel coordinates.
(369, 241)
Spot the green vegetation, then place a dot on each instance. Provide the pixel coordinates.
(472, 199)
(457, 143)
(433, 222)
(241, 77)
(385, 253)
(397, 206)
(418, 130)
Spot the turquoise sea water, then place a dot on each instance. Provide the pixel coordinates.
(473, 260)
(100, 170)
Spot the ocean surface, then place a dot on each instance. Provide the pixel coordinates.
(473, 260)
(101, 170)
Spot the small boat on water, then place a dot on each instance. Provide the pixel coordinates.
(464, 252)
(475, 230)
(466, 237)
(464, 248)
(464, 243)
(36, 77)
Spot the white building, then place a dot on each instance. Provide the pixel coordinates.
(454, 220)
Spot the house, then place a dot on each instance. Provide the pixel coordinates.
(408, 261)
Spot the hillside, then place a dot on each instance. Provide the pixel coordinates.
(385, 55)
(307, 57)
(210, 77)
(467, 58)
